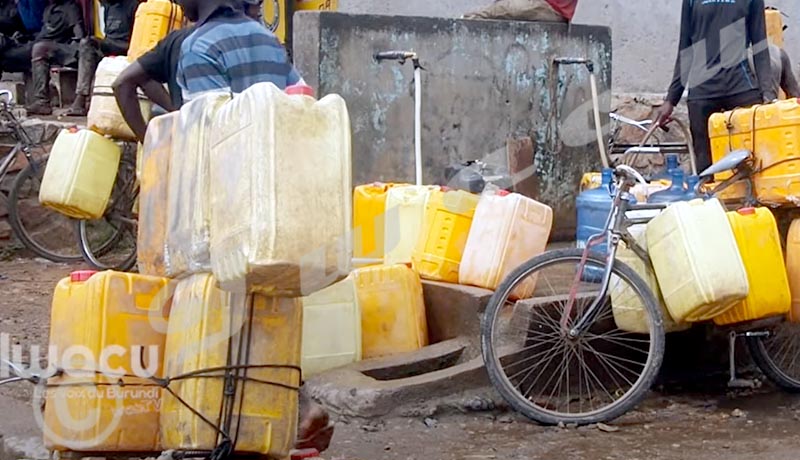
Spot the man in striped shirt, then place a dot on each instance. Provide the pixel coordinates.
(229, 51)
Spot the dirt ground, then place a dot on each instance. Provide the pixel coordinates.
(713, 424)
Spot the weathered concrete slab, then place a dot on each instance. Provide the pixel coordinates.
(484, 81)
(389, 386)
(455, 311)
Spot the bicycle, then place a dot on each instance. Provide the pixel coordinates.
(590, 370)
(44, 232)
(109, 243)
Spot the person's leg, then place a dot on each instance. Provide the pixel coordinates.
(41, 56)
(89, 56)
(699, 113)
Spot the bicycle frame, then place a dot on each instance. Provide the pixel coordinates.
(24, 141)
(616, 230)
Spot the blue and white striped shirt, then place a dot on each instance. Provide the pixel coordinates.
(231, 52)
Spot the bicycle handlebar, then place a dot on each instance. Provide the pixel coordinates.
(625, 172)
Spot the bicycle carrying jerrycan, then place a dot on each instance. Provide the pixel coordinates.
(674, 193)
(593, 208)
(80, 174)
(696, 259)
(759, 243)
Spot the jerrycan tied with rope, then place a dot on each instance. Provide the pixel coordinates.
(106, 399)
(258, 340)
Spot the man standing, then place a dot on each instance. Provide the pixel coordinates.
(155, 69)
(56, 44)
(118, 17)
(713, 64)
(229, 51)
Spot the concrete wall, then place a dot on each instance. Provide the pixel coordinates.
(484, 81)
(645, 32)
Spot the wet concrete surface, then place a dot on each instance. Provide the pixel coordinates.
(698, 419)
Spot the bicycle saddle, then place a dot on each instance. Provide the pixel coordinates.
(729, 162)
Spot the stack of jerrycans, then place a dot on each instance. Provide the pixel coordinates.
(258, 207)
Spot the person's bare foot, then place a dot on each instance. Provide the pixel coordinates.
(315, 429)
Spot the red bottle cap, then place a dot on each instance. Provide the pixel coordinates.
(747, 211)
(81, 275)
(300, 89)
(503, 193)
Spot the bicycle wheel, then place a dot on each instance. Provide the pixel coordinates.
(548, 376)
(115, 233)
(121, 256)
(45, 232)
(778, 355)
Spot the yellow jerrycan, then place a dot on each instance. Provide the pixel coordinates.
(154, 20)
(205, 331)
(80, 174)
(759, 243)
(108, 331)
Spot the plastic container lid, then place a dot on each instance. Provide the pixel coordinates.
(81, 275)
(300, 89)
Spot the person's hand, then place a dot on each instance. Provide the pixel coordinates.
(663, 113)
